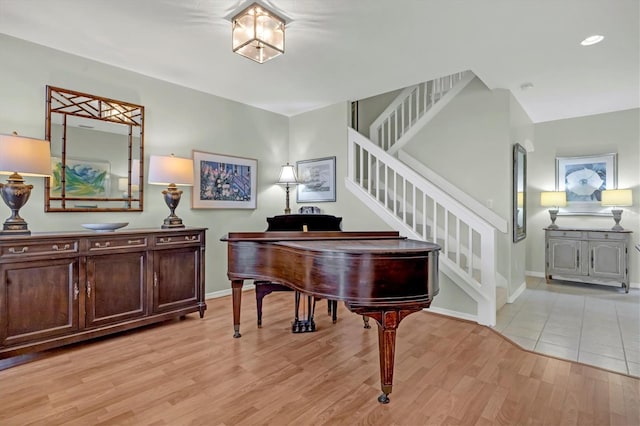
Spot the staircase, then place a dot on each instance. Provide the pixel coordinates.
(419, 208)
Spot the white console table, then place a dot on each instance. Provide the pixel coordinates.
(594, 256)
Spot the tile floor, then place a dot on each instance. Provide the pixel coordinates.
(591, 324)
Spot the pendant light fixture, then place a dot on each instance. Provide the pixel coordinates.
(258, 33)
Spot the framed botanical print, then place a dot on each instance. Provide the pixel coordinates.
(583, 179)
(224, 182)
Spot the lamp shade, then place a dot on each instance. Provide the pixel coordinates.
(553, 199)
(257, 33)
(288, 175)
(26, 156)
(166, 170)
(617, 197)
(520, 199)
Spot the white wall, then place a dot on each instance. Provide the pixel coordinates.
(617, 132)
(177, 120)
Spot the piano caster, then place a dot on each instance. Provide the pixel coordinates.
(384, 398)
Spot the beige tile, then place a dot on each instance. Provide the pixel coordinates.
(556, 351)
(602, 349)
(560, 340)
(523, 342)
(634, 369)
(603, 362)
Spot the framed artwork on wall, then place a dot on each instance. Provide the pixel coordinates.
(583, 179)
(224, 181)
(317, 180)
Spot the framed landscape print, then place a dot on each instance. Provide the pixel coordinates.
(583, 179)
(83, 178)
(224, 182)
(317, 180)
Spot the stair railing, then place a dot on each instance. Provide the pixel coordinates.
(426, 212)
(401, 118)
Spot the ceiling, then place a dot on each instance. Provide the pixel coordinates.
(338, 50)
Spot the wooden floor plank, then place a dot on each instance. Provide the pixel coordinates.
(192, 372)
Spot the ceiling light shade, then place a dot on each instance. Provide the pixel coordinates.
(31, 157)
(591, 40)
(171, 171)
(257, 33)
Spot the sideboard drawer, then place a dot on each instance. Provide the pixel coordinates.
(564, 234)
(113, 243)
(178, 239)
(28, 249)
(607, 236)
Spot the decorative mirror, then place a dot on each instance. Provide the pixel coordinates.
(519, 193)
(97, 153)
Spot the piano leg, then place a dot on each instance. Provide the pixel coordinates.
(236, 294)
(388, 320)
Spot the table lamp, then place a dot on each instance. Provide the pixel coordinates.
(172, 171)
(287, 177)
(617, 198)
(26, 156)
(554, 199)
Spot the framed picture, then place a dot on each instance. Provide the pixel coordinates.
(224, 182)
(83, 178)
(317, 179)
(583, 179)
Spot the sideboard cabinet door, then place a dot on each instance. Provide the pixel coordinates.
(176, 278)
(608, 259)
(115, 288)
(38, 300)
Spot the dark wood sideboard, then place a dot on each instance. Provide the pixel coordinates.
(61, 288)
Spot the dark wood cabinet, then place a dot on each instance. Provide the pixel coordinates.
(60, 288)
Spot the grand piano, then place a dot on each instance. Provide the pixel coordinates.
(380, 275)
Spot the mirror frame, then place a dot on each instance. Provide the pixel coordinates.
(72, 103)
(519, 186)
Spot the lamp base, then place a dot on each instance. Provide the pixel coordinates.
(617, 215)
(554, 215)
(172, 198)
(172, 222)
(15, 195)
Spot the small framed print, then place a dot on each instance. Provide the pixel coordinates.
(224, 182)
(317, 180)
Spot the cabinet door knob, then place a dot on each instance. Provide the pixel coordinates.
(76, 291)
(89, 289)
(155, 279)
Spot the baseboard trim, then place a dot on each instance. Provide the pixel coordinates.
(454, 314)
(227, 292)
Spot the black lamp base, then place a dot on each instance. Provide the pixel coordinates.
(15, 195)
(172, 198)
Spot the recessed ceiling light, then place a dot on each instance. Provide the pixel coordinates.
(526, 86)
(592, 40)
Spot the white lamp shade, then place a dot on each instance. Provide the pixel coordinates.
(520, 199)
(553, 199)
(288, 175)
(166, 170)
(617, 197)
(26, 156)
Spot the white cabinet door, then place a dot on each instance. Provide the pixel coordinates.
(607, 259)
(565, 256)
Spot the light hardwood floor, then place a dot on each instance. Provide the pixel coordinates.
(192, 372)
